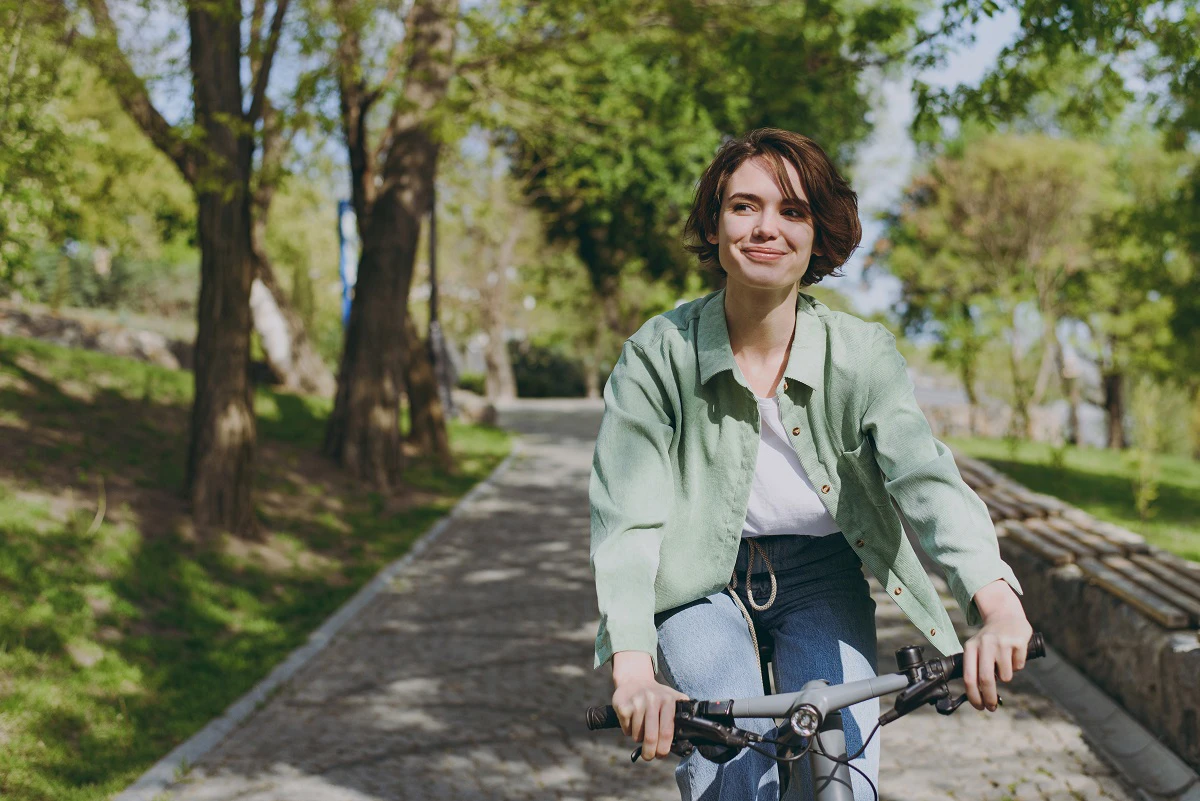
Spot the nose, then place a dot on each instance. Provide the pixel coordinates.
(767, 225)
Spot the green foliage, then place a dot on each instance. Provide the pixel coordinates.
(34, 137)
(997, 222)
(122, 634)
(1102, 486)
(473, 382)
(547, 372)
(1101, 49)
(611, 130)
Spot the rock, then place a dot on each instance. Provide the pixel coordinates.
(474, 408)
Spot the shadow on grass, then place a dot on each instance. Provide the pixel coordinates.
(1082, 487)
(122, 634)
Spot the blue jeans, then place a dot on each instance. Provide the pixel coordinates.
(823, 625)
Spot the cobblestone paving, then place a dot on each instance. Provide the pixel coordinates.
(467, 680)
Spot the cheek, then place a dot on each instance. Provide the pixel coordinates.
(735, 228)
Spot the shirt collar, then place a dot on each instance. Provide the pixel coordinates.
(806, 360)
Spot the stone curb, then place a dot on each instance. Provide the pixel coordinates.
(168, 770)
(1152, 769)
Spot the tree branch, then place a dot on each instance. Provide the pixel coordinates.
(264, 69)
(256, 20)
(131, 90)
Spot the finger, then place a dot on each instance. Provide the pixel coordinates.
(1021, 654)
(987, 674)
(637, 721)
(1005, 657)
(666, 728)
(971, 672)
(625, 718)
(650, 741)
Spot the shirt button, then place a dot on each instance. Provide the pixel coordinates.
(785, 385)
(796, 431)
(896, 591)
(860, 543)
(825, 488)
(933, 632)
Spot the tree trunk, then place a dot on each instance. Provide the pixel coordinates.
(290, 354)
(1114, 405)
(363, 433)
(1074, 395)
(427, 417)
(501, 382)
(1020, 422)
(221, 451)
(966, 372)
(1051, 358)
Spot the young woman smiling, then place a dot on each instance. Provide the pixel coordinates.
(752, 445)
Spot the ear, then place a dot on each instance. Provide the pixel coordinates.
(713, 239)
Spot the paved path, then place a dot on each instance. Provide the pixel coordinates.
(468, 678)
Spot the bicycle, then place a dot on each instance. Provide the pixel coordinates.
(812, 718)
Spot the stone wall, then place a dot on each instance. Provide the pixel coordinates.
(1123, 612)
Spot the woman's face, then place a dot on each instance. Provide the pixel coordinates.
(765, 241)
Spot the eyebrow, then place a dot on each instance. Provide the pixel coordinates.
(801, 203)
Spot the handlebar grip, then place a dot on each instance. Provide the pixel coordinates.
(1035, 650)
(602, 717)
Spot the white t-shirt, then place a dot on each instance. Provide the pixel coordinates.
(782, 499)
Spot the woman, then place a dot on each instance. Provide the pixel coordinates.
(752, 444)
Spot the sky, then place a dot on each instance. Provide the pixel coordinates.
(885, 163)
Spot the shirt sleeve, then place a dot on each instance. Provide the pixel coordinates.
(950, 520)
(630, 493)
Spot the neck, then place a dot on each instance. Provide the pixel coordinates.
(761, 322)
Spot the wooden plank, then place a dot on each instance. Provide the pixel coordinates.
(1152, 606)
(1011, 495)
(1049, 502)
(1168, 575)
(1186, 567)
(1124, 538)
(1050, 552)
(1003, 511)
(1093, 541)
(1155, 584)
(1039, 527)
(972, 477)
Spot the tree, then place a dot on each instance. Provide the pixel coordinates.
(214, 153)
(289, 350)
(34, 141)
(610, 133)
(1004, 218)
(391, 186)
(1131, 296)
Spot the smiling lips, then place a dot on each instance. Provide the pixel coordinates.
(762, 254)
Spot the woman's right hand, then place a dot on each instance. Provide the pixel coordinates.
(645, 707)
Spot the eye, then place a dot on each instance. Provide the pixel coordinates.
(796, 213)
(739, 206)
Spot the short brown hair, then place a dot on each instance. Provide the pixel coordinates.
(834, 204)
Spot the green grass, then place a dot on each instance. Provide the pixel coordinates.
(122, 636)
(1099, 481)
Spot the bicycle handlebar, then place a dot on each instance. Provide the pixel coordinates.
(605, 717)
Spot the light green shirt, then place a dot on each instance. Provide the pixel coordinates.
(675, 458)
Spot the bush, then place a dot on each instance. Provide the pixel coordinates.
(473, 382)
(546, 372)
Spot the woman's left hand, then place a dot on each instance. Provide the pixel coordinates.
(999, 648)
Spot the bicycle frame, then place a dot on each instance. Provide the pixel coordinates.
(819, 701)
